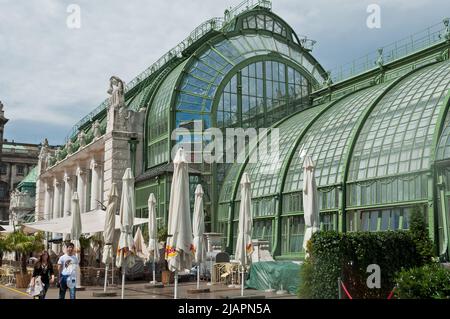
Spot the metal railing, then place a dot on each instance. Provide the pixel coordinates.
(391, 52)
(246, 5)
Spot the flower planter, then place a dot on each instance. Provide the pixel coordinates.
(167, 277)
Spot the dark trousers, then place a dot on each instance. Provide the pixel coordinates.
(44, 292)
(63, 288)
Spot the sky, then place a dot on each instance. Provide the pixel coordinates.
(52, 75)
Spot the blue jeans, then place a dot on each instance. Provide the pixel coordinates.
(63, 288)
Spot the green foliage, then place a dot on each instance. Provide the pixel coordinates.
(431, 281)
(103, 128)
(162, 234)
(62, 155)
(75, 147)
(335, 255)
(89, 137)
(419, 231)
(306, 276)
(85, 242)
(24, 244)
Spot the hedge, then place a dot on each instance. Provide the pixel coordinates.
(427, 282)
(346, 255)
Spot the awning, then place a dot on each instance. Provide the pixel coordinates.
(5, 229)
(92, 222)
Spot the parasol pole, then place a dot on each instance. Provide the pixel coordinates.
(123, 281)
(198, 276)
(176, 286)
(106, 277)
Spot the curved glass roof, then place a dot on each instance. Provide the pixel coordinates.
(395, 136)
(398, 134)
(443, 149)
(265, 174)
(199, 84)
(159, 108)
(328, 139)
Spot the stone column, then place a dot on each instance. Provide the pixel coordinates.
(81, 188)
(48, 201)
(67, 194)
(56, 209)
(95, 184)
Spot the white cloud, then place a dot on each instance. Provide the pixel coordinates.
(53, 75)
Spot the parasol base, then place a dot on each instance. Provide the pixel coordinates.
(281, 292)
(198, 291)
(154, 285)
(104, 294)
(81, 288)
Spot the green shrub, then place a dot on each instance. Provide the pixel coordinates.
(419, 231)
(346, 256)
(431, 281)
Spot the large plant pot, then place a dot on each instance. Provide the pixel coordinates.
(22, 280)
(167, 277)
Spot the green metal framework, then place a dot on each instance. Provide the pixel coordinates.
(372, 151)
(380, 136)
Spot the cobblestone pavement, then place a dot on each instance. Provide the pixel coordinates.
(138, 290)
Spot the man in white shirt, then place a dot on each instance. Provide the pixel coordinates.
(67, 265)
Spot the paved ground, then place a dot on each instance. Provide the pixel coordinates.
(137, 290)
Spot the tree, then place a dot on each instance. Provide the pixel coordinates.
(23, 245)
(419, 230)
(3, 248)
(162, 237)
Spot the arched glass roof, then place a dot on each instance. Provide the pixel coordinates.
(199, 84)
(398, 134)
(159, 108)
(328, 139)
(265, 174)
(443, 149)
(394, 135)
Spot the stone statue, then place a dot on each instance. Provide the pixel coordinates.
(117, 92)
(49, 161)
(69, 146)
(81, 139)
(57, 153)
(1, 106)
(97, 132)
(380, 60)
(44, 150)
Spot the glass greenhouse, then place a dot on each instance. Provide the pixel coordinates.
(380, 139)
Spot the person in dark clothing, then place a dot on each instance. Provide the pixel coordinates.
(43, 268)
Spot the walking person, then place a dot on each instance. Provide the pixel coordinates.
(67, 265)
(43, 269)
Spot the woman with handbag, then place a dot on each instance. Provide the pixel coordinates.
(44, 270)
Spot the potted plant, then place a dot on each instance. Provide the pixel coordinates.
(2, 248)
(23, 245)
(166, 275)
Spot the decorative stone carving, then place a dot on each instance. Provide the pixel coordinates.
(58, 153)
(81, 139)
(380, 60)
(97, 132)
(117, 92)
(49, 161)
(69, 146)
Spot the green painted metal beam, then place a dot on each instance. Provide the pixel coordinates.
(433, 211)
